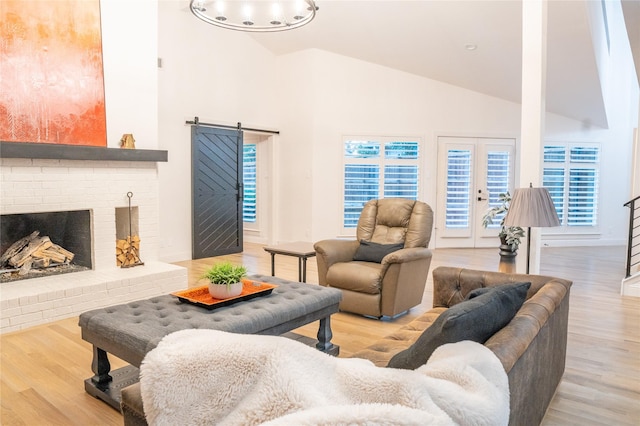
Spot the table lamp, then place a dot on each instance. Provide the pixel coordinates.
(531, 207)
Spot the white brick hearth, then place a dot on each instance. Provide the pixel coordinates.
(47, 299)
(38, 186)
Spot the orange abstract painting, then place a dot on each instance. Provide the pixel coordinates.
(51, 74)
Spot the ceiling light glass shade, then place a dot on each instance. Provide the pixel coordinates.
(255, 15)
(531, 207)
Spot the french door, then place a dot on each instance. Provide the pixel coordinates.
(472, 172)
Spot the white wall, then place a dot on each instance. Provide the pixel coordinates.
(621, 102)
(129, 52)
(314, 98)
(635, 163)
(346, 96)
(222, 77)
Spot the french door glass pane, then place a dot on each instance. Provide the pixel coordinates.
(249, 202)
(497, 180)
(458, 188)
(361, 184)
(401, 181)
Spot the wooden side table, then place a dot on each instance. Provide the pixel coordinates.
(300, 249)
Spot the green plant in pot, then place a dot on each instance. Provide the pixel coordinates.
(225, 279)
(509, 235)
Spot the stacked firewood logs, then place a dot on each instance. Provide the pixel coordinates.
(34, 251)
(128, 251)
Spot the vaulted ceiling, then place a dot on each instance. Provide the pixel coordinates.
(631, 10)
(429, 38)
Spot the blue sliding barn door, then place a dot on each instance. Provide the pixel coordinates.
(217, 191)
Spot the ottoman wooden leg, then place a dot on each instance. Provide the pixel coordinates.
(106, 384)
(324, 338)
(100, 367)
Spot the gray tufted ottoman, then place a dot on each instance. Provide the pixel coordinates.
(131, 330)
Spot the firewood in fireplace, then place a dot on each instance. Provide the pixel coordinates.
(41, 263)
(26, 267)
(54, 253)
(35, 251)
(38, 243)
(16, 247)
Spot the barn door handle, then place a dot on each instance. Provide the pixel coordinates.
(240, 191)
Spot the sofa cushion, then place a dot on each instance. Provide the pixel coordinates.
(477, 318)
(369, 251)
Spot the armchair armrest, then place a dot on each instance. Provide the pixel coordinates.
(329, 252)
(405, 274)
(406, 255)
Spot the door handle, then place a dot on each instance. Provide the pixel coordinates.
(482, 199)
(240, 194)
(480, 196)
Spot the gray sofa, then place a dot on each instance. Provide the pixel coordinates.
(532, 347)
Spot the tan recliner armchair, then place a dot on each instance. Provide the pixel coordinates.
(397, 282)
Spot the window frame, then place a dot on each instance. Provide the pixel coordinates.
(567, 166)
(381, 161)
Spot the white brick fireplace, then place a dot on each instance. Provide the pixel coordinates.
(48, 185)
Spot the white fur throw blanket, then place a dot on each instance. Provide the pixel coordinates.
(206, 377)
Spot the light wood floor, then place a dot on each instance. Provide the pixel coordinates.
(43, 368)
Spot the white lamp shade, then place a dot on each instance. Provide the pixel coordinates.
(531, 207)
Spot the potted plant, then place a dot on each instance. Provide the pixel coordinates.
(225, 280)
(509, 235)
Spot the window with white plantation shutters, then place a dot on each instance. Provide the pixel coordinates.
(249, 202)
(571, 174)
(380, 168)
(458, 188)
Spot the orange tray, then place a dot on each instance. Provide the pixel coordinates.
(200, 296)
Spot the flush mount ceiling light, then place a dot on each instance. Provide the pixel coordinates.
(255, 15)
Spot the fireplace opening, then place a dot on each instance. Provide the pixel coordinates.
(67, 232)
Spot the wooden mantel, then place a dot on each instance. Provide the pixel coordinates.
(78, 152)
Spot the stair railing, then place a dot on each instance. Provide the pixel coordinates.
(633, 246)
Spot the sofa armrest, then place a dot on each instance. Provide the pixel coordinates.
(329, 252)
(510, 343)
(131, 406)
